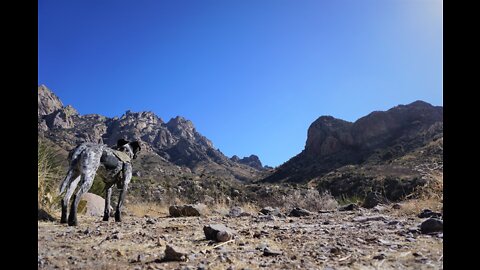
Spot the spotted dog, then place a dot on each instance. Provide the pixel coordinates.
(85, 160)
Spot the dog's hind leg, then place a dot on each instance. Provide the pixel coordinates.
(66, 198)
(108, 195)
(127, 172)
(86, 184)
(90, 161)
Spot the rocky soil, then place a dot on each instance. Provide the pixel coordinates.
(380, 238)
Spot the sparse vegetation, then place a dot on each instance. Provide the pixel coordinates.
(345, 199)
(49, 176)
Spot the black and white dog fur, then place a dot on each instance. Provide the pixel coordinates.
(85, 160)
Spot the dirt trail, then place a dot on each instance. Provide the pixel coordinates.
(360, 239)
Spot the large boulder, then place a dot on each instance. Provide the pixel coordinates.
(92, 205)
(431, 225)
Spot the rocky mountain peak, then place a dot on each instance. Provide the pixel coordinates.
(48, 102)
(252, 161)
(181, 125)
(328, 135)
(147, 117)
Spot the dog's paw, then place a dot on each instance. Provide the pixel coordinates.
(72, 222)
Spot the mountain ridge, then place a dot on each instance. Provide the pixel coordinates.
(176, 141)
(332, 143)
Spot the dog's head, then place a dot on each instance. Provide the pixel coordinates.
(131, 148)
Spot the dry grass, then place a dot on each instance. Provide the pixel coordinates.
(434, 187)
(310, 199)
(49, 175)
(415, 206)
(152, 209)
(429, 196)
(141, 209)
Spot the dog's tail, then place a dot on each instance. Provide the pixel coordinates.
(73, 156)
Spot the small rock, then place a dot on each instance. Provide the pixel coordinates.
(266, 218)
(218, 232)
(174, 254)
(120, 253)
(270, 211)
(270, 252)
(393, 222)
(223, 236)
(140, 258)
(335, 251)
(413, 230)
(417, 254)
(299, 212)
(349, 207)
(379, 257)
(378, 208)
(235, 211)
(44, 216)
(431, 225)
(188, 210)
(151, 221)
(262, 246)
(369, 218)
(427, 213)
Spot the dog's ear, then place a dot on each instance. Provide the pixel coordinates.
(121, 142)
(135, 147)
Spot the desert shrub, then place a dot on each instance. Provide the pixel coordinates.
(49, 177)
(287, 197)
(348, 199)
(310, 199)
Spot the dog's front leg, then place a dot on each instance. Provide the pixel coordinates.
(108, 195)
(127, 172)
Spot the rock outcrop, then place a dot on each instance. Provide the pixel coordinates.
(252, 161)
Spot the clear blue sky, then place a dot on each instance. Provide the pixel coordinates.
(251, 75)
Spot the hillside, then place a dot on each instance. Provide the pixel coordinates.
(398, 149)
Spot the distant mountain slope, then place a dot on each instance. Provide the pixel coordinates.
(175, 142)
(378, 139)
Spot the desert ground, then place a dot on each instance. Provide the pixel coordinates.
(385, 237)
